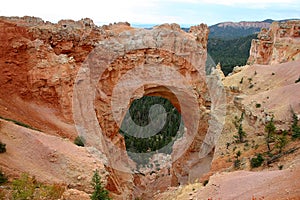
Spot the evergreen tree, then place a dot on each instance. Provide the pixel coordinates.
(295, 127)
(270, 129)
(99, 192)
(239, 126)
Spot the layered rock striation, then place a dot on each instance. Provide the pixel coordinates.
(278, 44)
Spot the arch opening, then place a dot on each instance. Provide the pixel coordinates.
(151, 126)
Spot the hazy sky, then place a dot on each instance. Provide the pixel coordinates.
(154, 11)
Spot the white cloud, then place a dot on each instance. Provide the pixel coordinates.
(252, 3)
(146, 11)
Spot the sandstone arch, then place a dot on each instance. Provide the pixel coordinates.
(147, 55)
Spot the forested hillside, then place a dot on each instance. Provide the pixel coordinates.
(230, 53)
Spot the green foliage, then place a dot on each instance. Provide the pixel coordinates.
(79, 141)
(27, 187)
(161, 141)
(281, 141)
(258, 105)
(257, 161)
(19, 123)
(270, 129)
(229, 53)
(295, 127)
(3, 178)
(237, 161)
(100, 193)
(23, 188)
(238, 123)
(50, 192)
(2, 147)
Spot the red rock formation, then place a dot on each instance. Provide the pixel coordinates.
(41, 63)
(279, 44)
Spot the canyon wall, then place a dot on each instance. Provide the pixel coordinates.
(278, 44)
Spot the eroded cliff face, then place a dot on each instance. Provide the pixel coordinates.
(75, 78)
(260, 92)
(279, 44)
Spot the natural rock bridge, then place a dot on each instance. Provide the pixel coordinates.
(166, 62)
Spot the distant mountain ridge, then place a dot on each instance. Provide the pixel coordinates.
(244, 24)
(233, 30)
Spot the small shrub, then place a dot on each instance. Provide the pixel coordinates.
(258, 105)
(227, 145)
(251, 86)
(241, 81)
(280, 167)
(2, 147)
(79, 141)
(257, 161)
(19, 123)
(273, 73)
(3, 178)
(205, 182)
(51, 192)
(23, 188)
(298, 80)
(234, 148)
(27, 187)
(237, 162)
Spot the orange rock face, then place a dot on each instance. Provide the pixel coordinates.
(75, 78)
(277, 45)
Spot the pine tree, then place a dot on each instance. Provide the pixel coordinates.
(270, 129)
(99, 192)
(238, 123)
(295, 127)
